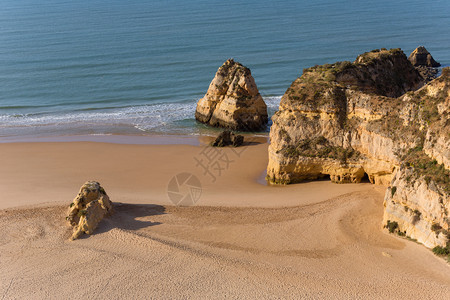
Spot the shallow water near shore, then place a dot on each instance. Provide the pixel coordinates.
(138, 67)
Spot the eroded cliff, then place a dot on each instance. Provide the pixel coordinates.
(374, 117)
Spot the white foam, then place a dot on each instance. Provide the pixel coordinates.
(163, 117)
(156, 114)
(272, 102)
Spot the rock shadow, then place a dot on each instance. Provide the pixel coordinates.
(130, 217)
(251, 143)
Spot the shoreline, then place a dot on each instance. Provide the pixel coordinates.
(140, 172)
(147, 139)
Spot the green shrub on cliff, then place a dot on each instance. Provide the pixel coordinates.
(371, 56)
(391, 226)
(320, 147)
(285, 135)
(326, 72)
(438, 250)
(393, 190)
(423, 165)
(436, 227)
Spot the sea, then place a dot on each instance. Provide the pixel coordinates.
(138, 67)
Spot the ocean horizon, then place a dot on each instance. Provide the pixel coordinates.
(139, 67)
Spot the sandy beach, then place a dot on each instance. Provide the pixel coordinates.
(242, 239)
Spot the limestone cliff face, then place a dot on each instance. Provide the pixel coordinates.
(370, 117)
(437, 138)
(233, 100)
(346, 104)
(418, 207)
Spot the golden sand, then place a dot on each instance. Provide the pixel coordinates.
(242, 239)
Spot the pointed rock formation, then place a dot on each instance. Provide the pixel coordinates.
(233, 100)
(421, 57)
(88, 208)
(422, 60)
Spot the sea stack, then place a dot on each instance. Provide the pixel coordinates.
(422, 60)
(421, 57)
(233, 100)
(88, 208)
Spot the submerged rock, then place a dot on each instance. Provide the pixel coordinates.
(88, 208)
(421, 57)
(227, 138)
(233, 100)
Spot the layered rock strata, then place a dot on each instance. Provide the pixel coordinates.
(88, 208)
(233, 100)
(373, 118)
(418, 207)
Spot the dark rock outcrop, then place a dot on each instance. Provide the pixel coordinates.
(233, 100)
(427, 74)
(382, 72)
(421, 57)
(227, 138)
(425, 64)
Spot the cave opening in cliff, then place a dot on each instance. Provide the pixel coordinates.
(365, 178)
(325, 177)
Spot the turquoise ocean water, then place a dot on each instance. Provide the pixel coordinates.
(138, 67)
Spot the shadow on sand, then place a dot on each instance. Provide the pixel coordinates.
(129, 217)
(251, 143)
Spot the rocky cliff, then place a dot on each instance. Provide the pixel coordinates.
(373, 118)
(233, 100)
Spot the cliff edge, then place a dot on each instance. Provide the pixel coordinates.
(371, 118)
